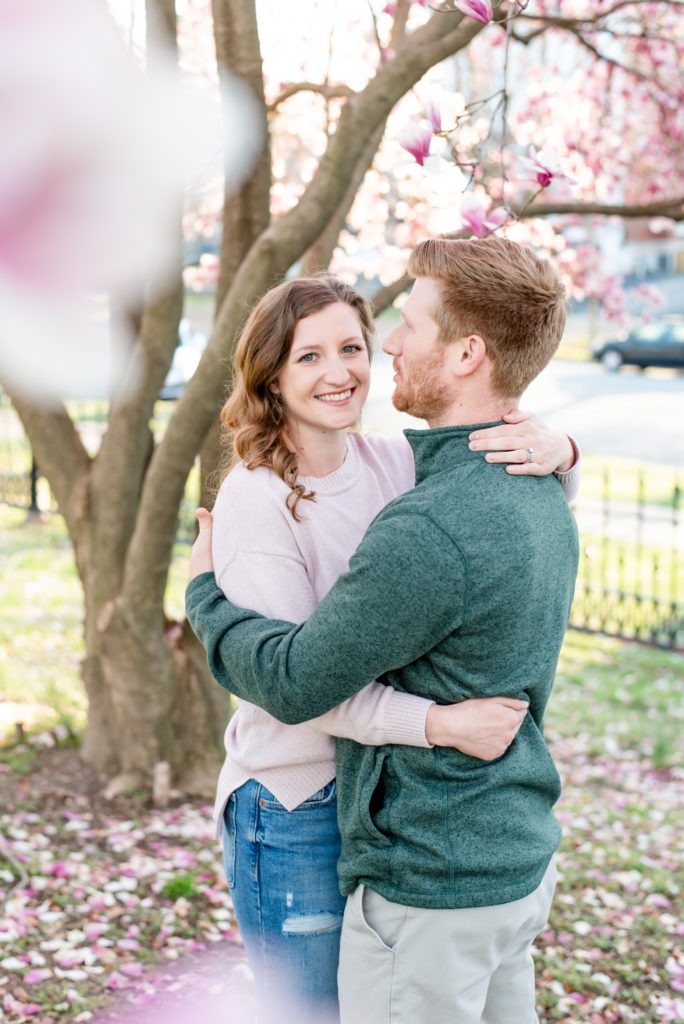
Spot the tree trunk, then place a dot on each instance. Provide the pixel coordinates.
(151, 699)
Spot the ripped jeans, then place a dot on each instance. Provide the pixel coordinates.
(281, 868)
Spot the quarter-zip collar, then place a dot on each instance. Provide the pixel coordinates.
(443, 447)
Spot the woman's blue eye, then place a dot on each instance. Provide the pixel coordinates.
(307, 357)
(351, 348)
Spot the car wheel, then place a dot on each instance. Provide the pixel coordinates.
(612, 360)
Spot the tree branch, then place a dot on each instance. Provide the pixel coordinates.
(559, 21)
(673, 209)
(59, 453)
(318, 256)
(324, 89)
(386, 295)
(246, 211)
(268, 259)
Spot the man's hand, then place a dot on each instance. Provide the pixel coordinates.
(483, 727)
(200, 556)
(531, 448)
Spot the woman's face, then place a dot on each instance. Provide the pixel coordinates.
(325, 381)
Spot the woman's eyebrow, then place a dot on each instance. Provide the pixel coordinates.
(301, 347)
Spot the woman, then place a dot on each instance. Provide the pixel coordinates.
(288, 516)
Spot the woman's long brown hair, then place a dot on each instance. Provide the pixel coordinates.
(253, 415)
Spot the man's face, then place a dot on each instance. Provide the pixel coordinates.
(419, 358)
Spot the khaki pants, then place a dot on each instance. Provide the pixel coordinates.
(406, 965)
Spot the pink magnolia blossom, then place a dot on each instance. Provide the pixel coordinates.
(434, 117)
(117, 981)
(671, 1010)
(479, 221)
(416, 141)
(38, 975)
(134, 970)
(541, 169)
(60, 869)
(13, 1005)
(478, 10)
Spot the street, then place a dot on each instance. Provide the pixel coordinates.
(632, 414)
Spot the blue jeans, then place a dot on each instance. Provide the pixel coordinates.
(281, 868)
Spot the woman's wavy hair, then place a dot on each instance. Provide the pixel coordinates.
(253, 417)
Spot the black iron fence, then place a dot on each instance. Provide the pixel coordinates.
(631, 577)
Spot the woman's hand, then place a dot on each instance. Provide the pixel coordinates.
(527, 444)
(200, 557)
(482, 727)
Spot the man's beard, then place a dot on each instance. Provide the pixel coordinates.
(422, 391)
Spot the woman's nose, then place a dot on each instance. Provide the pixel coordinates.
(337, 372)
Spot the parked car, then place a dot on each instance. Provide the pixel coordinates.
(191, 345)
(660, 343)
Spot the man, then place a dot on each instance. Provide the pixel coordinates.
(460, 588)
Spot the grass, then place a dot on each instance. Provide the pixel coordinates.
(620, 694)
(41, 641)
(630, 480)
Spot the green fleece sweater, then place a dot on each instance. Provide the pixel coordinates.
(460, 588)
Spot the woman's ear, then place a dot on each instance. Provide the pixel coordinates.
(273, 387)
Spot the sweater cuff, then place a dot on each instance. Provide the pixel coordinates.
(405, 717)
(570, 479)
(200, 587)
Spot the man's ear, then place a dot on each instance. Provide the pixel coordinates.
(468, 354)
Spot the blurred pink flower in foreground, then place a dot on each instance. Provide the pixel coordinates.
(95, 158)
(479, 221)
(479, 10)
(541, 168)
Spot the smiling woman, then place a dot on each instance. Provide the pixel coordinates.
(323, 386)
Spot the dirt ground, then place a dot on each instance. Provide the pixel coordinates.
(59, 771)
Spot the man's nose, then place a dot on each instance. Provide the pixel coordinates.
(391, 343)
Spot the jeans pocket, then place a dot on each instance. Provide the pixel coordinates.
(229, 837)
(324, 796)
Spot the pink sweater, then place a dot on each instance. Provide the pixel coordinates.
(267, 561)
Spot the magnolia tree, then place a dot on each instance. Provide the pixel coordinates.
(381, 124)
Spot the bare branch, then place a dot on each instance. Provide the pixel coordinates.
(318, 256)
(673, 209)
(246, 212)
(268, 259)
(386, 295)
(60, 454)
(634, 72)
(558, 21)
(324, 89)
